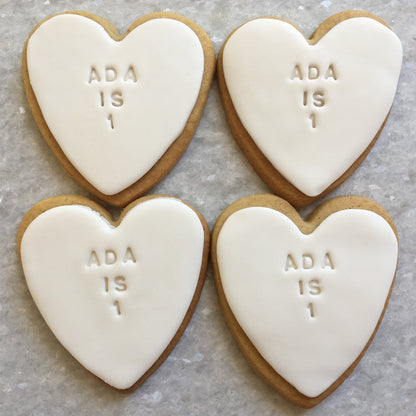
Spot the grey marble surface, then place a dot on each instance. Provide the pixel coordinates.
(206, 373)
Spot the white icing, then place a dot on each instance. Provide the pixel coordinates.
(354, 281)
(258, 61)
(168, 64)
(166, 241)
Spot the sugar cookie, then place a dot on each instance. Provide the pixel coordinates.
(117, 111)
(304, 299)
(306, 112)
(117, 295)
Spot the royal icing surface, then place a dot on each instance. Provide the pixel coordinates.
(114, 107)
(114, 296)
(312, 109)
(309, 303)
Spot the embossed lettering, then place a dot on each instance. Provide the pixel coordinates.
(311, 310)
(309, 287)
(106, 285)
(94, 75)
(327, 262)
(307, 261)
(310, 98)
(290, 263)
(120, 283)
(313, 72)
(129, 256)
(93, 260)
(130, 74)
(110, 74)
(116, 304)
(317, 96)
(117, 98)
(112, 260)
(318, 99)
(110, 257)
(110, 120)
(330, 73)
(312, 118)
(296, 73)
(305, 98)
(301, 287)
(314, 287)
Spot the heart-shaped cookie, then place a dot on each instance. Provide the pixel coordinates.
(118, 111)
(304, 299)
(307, 112)
(118, 296)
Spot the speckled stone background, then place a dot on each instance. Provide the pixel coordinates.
(206, 373)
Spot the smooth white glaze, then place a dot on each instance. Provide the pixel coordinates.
(353, 280)
(166, 241)
(158, 94)
(259, 61)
